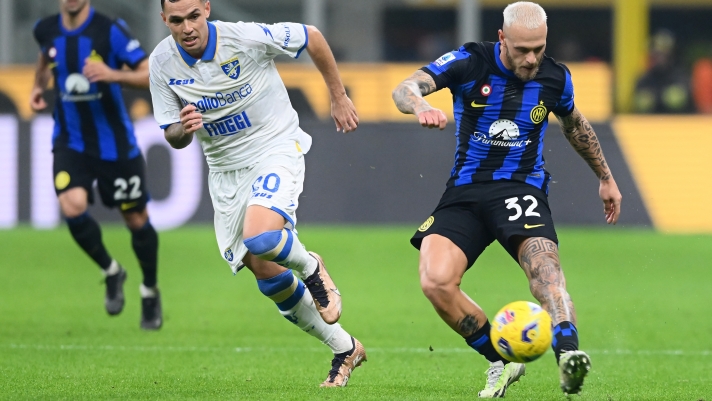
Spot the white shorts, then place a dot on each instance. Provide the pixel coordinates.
(275, 183)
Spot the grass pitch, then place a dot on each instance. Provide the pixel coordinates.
(644, 303)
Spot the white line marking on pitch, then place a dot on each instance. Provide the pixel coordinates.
(395, 350)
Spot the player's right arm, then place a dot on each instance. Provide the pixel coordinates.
(42, 78)
(180, 135)
(409, 99)
(178, 122)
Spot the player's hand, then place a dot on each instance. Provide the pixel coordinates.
(611, 197)
(37, 102)
(190, 119)
(432, 118)
(344, 114)
(97, 71)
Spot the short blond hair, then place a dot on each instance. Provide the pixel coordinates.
(524, 13)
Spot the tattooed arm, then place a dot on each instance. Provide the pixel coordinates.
(408, 96)
(580, 134)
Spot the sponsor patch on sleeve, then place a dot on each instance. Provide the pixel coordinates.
(446, 58)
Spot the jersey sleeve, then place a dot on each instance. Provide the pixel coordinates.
(565, 105)
(166, 105)
(281, 38)
(127, 49)
(39, 32)
(449, 69)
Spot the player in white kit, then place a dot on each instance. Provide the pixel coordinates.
(217, 81)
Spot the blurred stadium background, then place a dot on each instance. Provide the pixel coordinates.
(640, 287)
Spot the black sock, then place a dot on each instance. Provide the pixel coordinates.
(480, 342)
(87, 234)
(565, 339)
(145, 246)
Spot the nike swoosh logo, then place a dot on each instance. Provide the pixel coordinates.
(475, 105)
(127, 206)
(527, 226)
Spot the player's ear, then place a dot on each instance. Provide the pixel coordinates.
(207, 9)
(165, 19)
(500, 33)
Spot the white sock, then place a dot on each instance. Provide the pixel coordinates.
(113, 269)
(283, 247)
(148, 292)
(305, 316)
(301, 262)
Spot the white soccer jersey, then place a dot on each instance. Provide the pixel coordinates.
(235, 85)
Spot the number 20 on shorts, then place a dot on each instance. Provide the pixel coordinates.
(269, 185)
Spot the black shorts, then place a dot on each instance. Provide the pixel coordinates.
(473, 216)
(121, 183)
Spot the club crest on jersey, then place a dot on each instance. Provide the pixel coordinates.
(229, 255)
(538, 113)
(231, 68)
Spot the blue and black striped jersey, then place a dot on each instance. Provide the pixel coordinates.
(500, 120)
(90, 118)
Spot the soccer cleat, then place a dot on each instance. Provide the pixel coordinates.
(573, 368)
(151, 312)
(500, 377)
(114, 300)
(326, 296)
(343, 364)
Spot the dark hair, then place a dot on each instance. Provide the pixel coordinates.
(163, 2)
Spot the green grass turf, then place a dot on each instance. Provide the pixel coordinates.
(643, 299)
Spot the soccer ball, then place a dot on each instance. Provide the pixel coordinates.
(521, 331)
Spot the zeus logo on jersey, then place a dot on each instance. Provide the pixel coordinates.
(174, 81)
(228, 126)
(220, 99)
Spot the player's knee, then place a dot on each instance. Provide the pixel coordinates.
(136, 220)
(72, 207)
(436, 286)
(271, 245)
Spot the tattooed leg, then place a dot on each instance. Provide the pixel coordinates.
(539, 258)
(442, 265)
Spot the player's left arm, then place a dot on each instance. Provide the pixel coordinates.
(98, 71)
(342, 109)
(582, 137)
(128, 51)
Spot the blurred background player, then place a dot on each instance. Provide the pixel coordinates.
(85, 52)
(503, 93)
(665, 86)
(217, 81)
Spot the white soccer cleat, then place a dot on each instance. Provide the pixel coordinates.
(499, 377)
(573, 368)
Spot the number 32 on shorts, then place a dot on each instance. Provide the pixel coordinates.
(512, 204)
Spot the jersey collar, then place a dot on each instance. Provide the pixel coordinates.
(501, 66)
(80, 28)
(210, 48)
